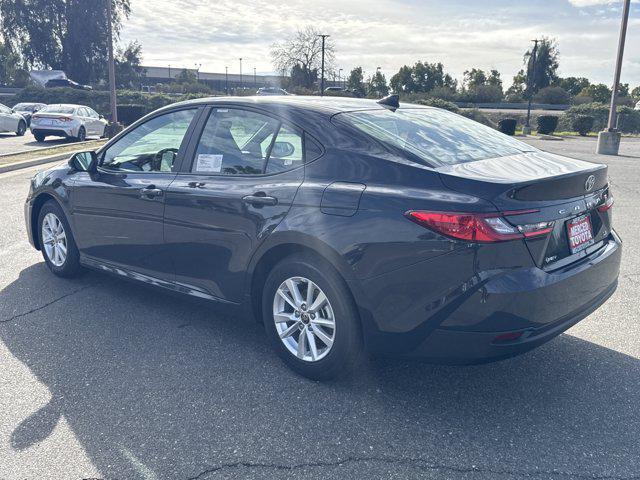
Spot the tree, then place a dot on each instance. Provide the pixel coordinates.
(303, 50)
(186, 76)
(355, 82)
(635, 93)
(423, 77)
(9, 64)
(553, 95)
(402, 82)
(474, 77)
(482, 88)
(128, 65)
(301, 77)
(544, 72)
(597, 92)
(378, 85)
(69, 35)
(572, 85)
(515, 93)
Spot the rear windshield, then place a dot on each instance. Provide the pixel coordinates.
(28, 107)
(58, 109)
(437, 137)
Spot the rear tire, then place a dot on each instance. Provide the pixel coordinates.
(56, 241)
(82, 135)
(39, 137)
(22, 128)
(336, 350)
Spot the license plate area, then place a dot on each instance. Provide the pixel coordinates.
(580, 233)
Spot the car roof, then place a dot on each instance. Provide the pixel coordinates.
(327, 105)
(70, 105)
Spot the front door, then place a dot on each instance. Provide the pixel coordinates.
(118, 211)
(240, 183)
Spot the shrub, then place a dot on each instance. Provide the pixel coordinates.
(128, 114)
(582, 124)
(553, 95)
(628, 121)
(439, 103)
(508, 126)
(547, 124)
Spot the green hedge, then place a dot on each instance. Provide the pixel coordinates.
(508, 126)
(99, 100)
(628, 119)
(547, 124)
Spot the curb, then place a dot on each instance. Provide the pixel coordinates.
(45, 147)
(36, 161)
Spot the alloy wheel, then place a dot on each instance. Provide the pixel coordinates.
(304, 319)
(54, 239)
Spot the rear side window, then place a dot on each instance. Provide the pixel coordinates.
(436, 136)
(243, 142)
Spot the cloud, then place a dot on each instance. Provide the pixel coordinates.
(387, 33)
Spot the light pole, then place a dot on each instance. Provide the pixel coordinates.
(322, 66)
(609, 140)
(198, 65)
(531, 72)
(255, 84)
(169, 73)
(112, 67)
(240, 72)
(339, 75)
(226, 80)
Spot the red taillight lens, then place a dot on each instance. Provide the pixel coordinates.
(478, 227)
(606, 206)
(63, 119)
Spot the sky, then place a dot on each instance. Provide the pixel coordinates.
(461, 34)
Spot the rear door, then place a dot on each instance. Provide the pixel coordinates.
(118, 211)
(6, 120)
(236, 185)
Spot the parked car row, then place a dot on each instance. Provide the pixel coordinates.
(60, 120)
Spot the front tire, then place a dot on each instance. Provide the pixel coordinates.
(56, 241)
(22, 128)
(311, 319)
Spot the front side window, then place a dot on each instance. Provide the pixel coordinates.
(152, 146)
(235, 142)
(436, 136)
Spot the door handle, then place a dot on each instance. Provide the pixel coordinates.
(196, 184)
(151, 192)
(260, 199)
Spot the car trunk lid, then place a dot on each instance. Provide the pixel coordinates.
(535, 187)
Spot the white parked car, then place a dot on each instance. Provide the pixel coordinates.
(11, 121)
(70, 121)
(638, 106)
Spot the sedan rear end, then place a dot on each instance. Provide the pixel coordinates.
(514, 247)
(55, 120)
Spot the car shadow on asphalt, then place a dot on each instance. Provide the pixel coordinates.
(186, 388)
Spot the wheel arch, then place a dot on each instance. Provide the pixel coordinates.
(286, 245)
(38, 203)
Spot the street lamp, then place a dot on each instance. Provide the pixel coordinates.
(240, 71)
(226, 80)
(609, 140)
(169, 73)
(112, 70)
(254, 77)
(322, 77)
(339, 75)
(198, 65)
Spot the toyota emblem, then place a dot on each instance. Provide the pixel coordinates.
(589, 183)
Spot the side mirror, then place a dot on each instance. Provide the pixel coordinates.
(84, 161)
(282, 149)
(101, 117)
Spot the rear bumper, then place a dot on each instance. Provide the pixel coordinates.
(54, 132)
(460, 322)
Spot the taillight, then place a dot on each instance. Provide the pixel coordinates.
(606, 206)
(478, 227)
(63, 119)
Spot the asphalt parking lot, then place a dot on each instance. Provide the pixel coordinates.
(11, 143)
(105, 379)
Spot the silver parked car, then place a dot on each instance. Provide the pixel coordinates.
(27, 109)
(64, 120)
(11, 121)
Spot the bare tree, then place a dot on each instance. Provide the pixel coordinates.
(303, 51)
